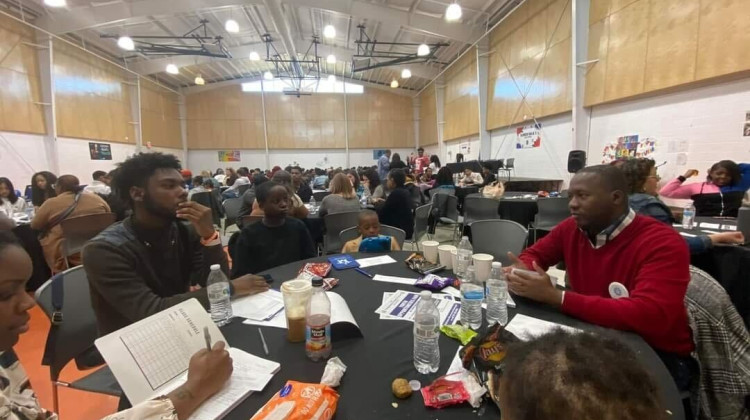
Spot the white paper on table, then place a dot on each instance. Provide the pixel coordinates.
(677, 225)
(262, 306)
(402, 305)
(394, 279)
(388, 295)
(457, 293)
(456, 364)
(278, 321)
(729, 227)
(709, 231)
(526, 327)
(369, 262)
(340, 312)
(689, 235)
(710, 225)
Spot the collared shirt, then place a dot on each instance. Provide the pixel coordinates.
(611, 231)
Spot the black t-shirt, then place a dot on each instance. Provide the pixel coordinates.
(260, 247)
(396, 211)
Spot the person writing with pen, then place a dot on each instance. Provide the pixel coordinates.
(627, 272)
(208, 370)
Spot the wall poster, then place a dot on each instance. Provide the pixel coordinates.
(628, 147)
(229, 156)
(100, 151)
(529, 136)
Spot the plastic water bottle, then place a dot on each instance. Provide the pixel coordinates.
(688, 217)
(217, 287)
(313, 204)
(497, 294)
(463, 254)
(426, 335)
(318, 323)
(472, 294)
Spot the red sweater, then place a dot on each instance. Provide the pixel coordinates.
(648, 257)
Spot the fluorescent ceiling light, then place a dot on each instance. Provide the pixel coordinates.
(126, 43)
(331, 78)
(232, 26)
(329, 31)
(268, 75)
(172, 69)
(254, 56)
(199, 80)
(55, 3)
(331, 59)
(423, 50)
(394, 83)
(405, 73)
(453, 12)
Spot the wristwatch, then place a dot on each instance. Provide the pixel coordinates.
(211, 240)
(681, 178)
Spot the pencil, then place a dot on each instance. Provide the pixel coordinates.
(207, 336)
(263, 340)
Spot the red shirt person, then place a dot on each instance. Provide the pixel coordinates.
(421, 161)
(606, 246)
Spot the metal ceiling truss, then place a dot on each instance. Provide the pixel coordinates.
(368, 56)
(208, 46)
(293, 70)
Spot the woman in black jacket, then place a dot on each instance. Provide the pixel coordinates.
(396, 211)
(396, 162)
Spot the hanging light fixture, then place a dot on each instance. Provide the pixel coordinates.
(254, 56)
(331, 59)
(394, 83)
(329, 31)
(232, 26)
(423, 50)
(126, 43)
(453, 12)
(172, 69)
(199, 80)
(55, 3)
(405, 73)
(331, 79)
(268, 75)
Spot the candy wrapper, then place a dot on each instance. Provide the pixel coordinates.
(418, 263)
(316, 269)
(459, 332)
(333, 373)
(487, 351)
(444, 392)
(433, 282)
(330, 283)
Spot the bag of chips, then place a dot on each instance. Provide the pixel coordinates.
(300, 401)
(487, 350)
(433, 282)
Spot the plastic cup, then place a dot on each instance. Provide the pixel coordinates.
(431, 250)
(454, 259)
(296, 294)
(483, 265)
(444, 252)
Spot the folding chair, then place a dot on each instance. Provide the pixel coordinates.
(445, 211)
(335, 223)
(510, 165)
(320, 195)
(231, 211)
(78, 230)
(66, 301)
(421, 223)
(497, 238)
(552, 211)
(210, 200)
(480, 208)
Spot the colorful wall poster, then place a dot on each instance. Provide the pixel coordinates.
(628, 147)
(529, 136)
(377, 153)
(100, 151)
(229, 156)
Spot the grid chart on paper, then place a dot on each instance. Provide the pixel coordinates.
(157, 352)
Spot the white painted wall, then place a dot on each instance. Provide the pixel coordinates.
(549, 161)
(706, 122)
(200, 160)
(363, 157)
(453, 147)
(21, 155)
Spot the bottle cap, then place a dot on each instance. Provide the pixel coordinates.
(415, 385)
(425, 294)
(497, 264)
(215, 267)
(317, 281)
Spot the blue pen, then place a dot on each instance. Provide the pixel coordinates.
(361, 271)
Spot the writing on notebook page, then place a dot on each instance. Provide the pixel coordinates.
(157, 350)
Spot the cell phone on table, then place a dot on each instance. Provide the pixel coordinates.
(268, 278)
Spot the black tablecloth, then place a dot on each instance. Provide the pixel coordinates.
(385, 353)
(521, 210)
(728, 264)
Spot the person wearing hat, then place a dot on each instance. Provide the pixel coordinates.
(187, 176)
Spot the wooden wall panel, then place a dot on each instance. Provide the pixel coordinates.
(91, 100)
(225, 118)
(160, 116)
(19, 80)
(649, 45)
(308, 122)
(428, 133)
(529, 68)
(378, 119)
(461, 98)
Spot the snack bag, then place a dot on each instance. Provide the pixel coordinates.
(488, 349)
(317, 269)
(444, 392)
(300, 401)
(433, 282)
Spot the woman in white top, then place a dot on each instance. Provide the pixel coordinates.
(9, 202)
(207, 371)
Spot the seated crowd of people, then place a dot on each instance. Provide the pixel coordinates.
(160, 251)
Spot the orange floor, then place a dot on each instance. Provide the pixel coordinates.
(74, 405)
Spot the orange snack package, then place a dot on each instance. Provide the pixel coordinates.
(300, 401)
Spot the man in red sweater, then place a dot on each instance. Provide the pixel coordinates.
(608, 248)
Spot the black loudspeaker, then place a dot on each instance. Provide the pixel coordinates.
(576, 160)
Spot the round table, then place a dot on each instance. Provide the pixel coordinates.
(385, 352)
(520, 209)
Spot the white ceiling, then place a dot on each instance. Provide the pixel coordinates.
(291, 24)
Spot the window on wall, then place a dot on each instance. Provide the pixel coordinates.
(317, 86)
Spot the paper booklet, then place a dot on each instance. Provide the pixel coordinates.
(150, 358)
